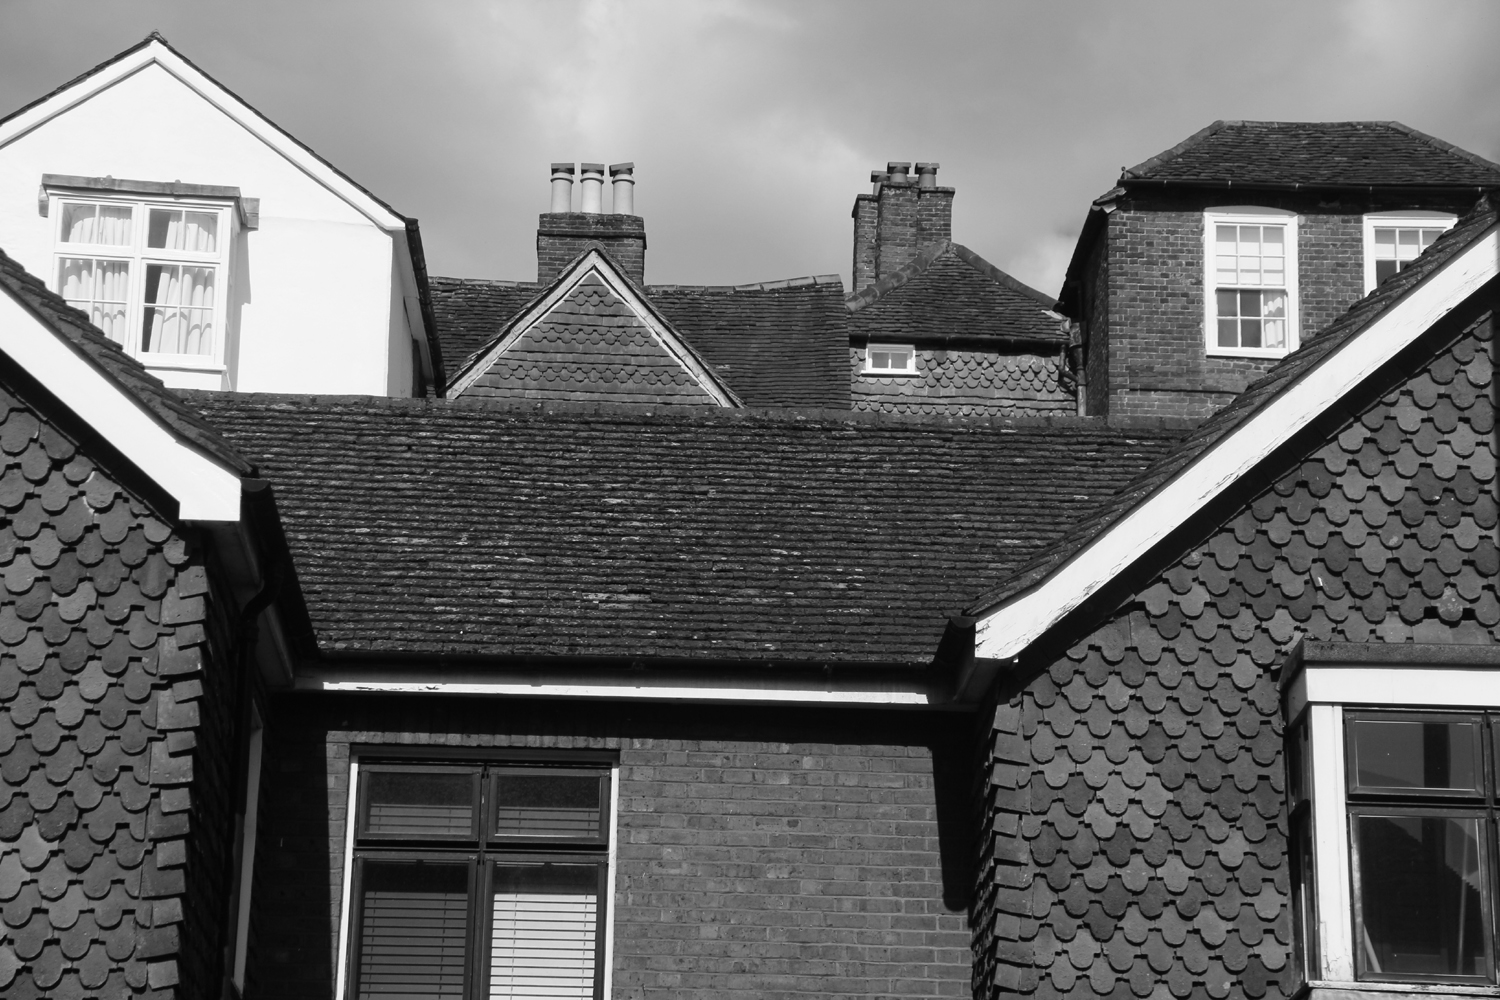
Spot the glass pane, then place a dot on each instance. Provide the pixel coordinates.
(544, 931)
(879, 359)
(1385, 241)
(1429, 236)
(98, 287)
(1384, 269)
(1228, 303)
(548, 805)
(1229, 333)
(1274, 238)
(1395, 754)
(1408, 238)
(1249, 303)
(1419, 885)
(106, 225)
(418, 804)
(184, 330)
(413, 930)
(170, 229)
(1250, 333)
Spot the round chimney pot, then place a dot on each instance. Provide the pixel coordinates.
(622, 176)
(591, 188)
(562, 188)
(927, 175)
(898, 172)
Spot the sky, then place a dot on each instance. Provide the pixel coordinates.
(753, 123)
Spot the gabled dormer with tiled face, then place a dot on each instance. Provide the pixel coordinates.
(1209, 262)
(222, 253)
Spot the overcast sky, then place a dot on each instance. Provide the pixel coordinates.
(754, 124)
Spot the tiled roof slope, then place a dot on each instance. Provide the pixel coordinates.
(1258, 394)
(591, 346)
(973, 379)
(949, 290)
(470, 311)
(450, 526)
(1352, 153)
(111, 359)
(777, 343)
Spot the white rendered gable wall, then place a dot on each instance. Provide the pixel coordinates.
(311, 289)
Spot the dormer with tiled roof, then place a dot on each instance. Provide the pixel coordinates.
(1210, 261)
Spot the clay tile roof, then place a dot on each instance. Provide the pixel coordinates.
(452, 526)
(1258, 394)
(1334, 153)
(117, 366)
(948, 290)
(781, 343)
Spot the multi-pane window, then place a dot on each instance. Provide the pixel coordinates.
(149, 274)
(479, 880)
(1393, 241)
(1250, 282)
(890, 359)
(1421, 807)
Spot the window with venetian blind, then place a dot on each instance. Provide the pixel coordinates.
(479, 880)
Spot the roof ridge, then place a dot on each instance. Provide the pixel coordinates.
(1015, 284)
(495, 282)
(1446, 147)
(874, 291)
(753, 286)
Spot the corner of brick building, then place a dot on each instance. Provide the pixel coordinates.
(118, 739)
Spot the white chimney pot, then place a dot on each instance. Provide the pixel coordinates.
(591, 184)
(562, 188)
(622, 175)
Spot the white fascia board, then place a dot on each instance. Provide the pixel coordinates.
(247, 117)
(1006, 630)
(1447, 687)
(205, 490)
(595, 263)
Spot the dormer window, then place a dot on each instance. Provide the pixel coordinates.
(148, 263)
(1251, 282)
(890, 359)
(1395, 239)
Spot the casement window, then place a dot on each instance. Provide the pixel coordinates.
(1392, 782)
(1250, 282)
(478, 879)
(1395, 239)
(148, 262)
(890, 359)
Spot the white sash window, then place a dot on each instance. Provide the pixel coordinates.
(1250, 282)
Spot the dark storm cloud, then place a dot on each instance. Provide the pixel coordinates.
(753, 125)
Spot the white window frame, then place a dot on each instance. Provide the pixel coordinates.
(911, 353)
(139, 256)
(1249, 215)
(1321, 693)
(1398, 220)
(346, 914)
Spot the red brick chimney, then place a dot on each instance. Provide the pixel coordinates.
(562, 234)
(899, 219)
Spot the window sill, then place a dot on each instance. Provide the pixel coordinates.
(1322, 990)
(180, 363)
(870, 374)
(1272, 354)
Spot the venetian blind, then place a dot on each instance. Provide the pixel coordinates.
(545, 932)
(412, 932)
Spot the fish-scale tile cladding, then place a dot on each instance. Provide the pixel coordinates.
(591, 347)
(1137, 820)
(965, 381)
(103, 613)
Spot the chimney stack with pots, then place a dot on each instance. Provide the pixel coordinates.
(899, 219)
(562, 234)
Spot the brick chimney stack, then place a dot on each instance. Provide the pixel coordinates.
(899, 219)
(563, 234)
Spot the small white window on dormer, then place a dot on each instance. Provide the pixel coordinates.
(890, 359)
(1395, 239)
(148, 265)
(1250, 282)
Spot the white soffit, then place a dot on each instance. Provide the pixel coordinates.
(204, 489)
(210, 90)
(595, 262)
(1010, 627)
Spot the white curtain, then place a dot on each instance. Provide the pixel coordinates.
(103, 225)
(179, 309)
(98, 287)
(172, 230)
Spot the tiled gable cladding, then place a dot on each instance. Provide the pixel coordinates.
(110, 864)
(591, 346)
(969, 380)
(1135, 799)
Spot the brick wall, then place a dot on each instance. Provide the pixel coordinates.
(1136, 801)
(895, 224)
(965, 381)
(1095, 326)
(112, 794)
(762, 853)
(866, 218)
(562, 236)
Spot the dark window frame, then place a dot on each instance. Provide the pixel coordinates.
(482, 852)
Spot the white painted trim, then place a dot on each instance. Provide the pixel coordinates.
(346, 918)
(1457, 687)
(910, 350)
(247, 847)
(1249, 215)
(1004, 631)
(1404, 220)
(708, 692)
(205, 490)
(251, 120)
(1333, 875)
(595, 263)
(611, 861)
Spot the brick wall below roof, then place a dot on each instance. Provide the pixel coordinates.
(965, 381)
(761, 852)
(562, 236)
(1151, 786)
(1095, 324)
(111, 813)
